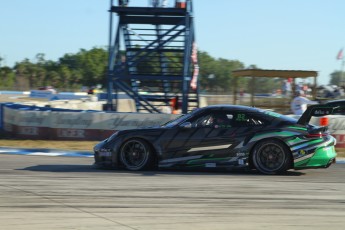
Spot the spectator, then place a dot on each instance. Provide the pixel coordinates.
(299, 103)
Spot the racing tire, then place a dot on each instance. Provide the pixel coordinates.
(271, 157)
(136, 155)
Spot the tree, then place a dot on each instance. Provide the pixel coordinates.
(92, 64)
(53, 78)
(7, 77)
(65, 77)
(337, 78)
(207, 71)
(224, 72)
(216, 74)
(22, 70)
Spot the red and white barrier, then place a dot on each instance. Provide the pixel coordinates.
(54, 125)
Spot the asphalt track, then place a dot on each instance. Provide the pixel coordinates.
(40, 192)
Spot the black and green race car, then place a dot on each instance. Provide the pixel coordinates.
(224, 136)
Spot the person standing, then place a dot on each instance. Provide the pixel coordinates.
(299, 103)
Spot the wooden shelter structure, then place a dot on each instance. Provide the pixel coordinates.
(259, 73)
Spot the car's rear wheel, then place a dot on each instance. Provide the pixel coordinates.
(271, 157)
(136, 154)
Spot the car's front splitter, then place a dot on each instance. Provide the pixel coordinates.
(323, 157)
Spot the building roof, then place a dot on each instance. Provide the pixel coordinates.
(274, 73)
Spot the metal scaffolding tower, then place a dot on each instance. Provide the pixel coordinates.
(152, 57)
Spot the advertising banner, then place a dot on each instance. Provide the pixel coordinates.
(44, 123)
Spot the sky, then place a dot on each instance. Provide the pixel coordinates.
(271, 34)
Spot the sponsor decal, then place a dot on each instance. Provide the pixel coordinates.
(240, 154)
(130, 121)
(71, 133)
(32, 131)
(79, 120)
(32, 118)
(324, 111)
(302, 152)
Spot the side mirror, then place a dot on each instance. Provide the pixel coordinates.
(186, 125)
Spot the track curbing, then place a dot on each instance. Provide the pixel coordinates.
(45, 152)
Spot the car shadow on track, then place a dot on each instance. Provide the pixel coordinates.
(91, 169)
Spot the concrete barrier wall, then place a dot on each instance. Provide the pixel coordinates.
(43, 123)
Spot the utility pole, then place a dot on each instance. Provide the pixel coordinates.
(342, 72)
(340, 57)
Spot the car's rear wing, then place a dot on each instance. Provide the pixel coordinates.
(316, 111)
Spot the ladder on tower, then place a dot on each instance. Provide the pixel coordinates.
(150, 58)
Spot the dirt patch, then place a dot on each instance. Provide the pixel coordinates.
(64, 145)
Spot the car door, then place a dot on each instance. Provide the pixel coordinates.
(205, 139)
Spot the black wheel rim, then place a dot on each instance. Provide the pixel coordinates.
(134, 155)
(271, 157)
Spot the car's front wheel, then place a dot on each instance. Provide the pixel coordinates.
(136, 154)
(271, 157)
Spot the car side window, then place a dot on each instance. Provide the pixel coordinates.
(217, 119)
(224, 120)
(204, 121)
(247, 120)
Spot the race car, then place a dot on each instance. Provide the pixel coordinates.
(224, 136)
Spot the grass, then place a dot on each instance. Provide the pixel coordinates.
(340, 152)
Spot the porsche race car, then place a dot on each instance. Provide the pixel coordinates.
(224, 136)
